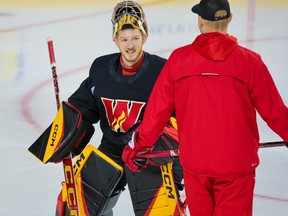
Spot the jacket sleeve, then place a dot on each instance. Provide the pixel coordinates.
(159, 108)
(267, 100)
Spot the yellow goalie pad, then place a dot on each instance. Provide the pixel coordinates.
(96, 176)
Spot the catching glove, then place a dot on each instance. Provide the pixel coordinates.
(168, 140)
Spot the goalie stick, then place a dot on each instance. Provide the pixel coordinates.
(175, 153)
(67, 161)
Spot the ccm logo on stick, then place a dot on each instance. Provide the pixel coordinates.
(71, 191)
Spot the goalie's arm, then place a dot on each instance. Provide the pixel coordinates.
(84, 100)
(69, 132)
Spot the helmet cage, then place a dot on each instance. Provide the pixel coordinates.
(128, 13)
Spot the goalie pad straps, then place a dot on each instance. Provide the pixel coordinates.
(67, 133)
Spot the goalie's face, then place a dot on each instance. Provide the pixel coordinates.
(130, 42)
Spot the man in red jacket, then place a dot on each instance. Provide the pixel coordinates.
(216, 87)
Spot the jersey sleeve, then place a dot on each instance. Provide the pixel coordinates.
(84, 101)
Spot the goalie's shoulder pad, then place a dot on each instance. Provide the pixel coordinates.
(67, 133)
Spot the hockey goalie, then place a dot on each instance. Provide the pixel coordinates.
(99, 179)
(114, 95)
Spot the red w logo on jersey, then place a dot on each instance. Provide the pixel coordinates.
(122, 114)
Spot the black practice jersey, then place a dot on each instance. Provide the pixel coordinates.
(117, 101)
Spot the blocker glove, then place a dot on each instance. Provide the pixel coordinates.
(132, 152)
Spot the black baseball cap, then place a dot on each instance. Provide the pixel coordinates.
(207, 9)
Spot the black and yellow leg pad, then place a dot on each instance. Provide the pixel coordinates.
(96, 177)
(153, 191)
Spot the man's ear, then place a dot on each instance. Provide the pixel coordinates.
(200, 23)
(231, 17)
(144, 39)
(115, 41)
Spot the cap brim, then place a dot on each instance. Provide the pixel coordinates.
(195, 9)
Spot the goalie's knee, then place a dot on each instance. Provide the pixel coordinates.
(111, 202)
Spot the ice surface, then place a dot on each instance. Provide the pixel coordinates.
(29, 188)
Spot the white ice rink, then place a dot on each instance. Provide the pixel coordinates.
(27, 101)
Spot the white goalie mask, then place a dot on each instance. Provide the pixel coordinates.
(128, 13)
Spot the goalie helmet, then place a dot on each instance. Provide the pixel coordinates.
(128, 13)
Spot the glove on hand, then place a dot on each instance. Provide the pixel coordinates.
(132, 154)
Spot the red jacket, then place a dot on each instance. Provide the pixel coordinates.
(215, 86)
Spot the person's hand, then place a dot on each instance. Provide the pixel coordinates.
(132, 154)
